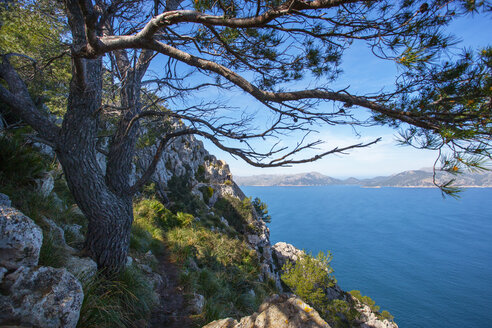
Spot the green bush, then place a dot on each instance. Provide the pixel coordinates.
(237, 213)
(181, 197)
(261, 209)
(372, 304)
(207, 193)
(200, 174)
(309, 277)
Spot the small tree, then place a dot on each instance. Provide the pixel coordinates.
(260, 48)
(261, 209)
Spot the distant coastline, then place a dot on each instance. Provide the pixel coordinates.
(408, 179)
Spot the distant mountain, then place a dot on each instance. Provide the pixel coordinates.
(414, 178)
(301, 179)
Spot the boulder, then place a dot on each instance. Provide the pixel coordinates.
(41, 297)
(196, 304)
(5, 200)
(74, 235)
(81, 267)
(57, 234)
(286, 311)
(20, 239)
(286, 252)
(46, 185)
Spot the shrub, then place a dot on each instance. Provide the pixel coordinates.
(238, 213)
(309, 277)
(262, 210)
(372, 304)
(181, 197)
(207, 193)
(200, 174)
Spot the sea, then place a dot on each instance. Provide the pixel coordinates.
(424, 258)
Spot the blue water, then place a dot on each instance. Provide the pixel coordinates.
(426, 259)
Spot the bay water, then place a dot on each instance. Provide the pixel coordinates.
(425, 259)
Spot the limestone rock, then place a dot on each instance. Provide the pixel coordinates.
(74, 235)
(286, 311)
(42, 297)
(286, 252)
(46, 185)
(368, 318)
(196, 304)
(20, 239)
(5, 200)
(152, 277)
(81, 267)
(57, 234)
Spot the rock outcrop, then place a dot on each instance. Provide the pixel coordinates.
(20, 239)
(41, 297)
(286, 311)
(32, 295)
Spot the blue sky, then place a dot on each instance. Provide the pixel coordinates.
(364, 73)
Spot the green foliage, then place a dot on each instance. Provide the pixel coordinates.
(27, 29)
(309, 278)
(238, 213)
(151, 221)
(153, 131)
(227, 273)
(262, 210)
(20, 164)
(207, 193)
(119, 302)
(181, 197)
(372, 304)
(200, 174)
(365, 299)
(52, 253)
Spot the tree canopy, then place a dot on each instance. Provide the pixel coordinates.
(258, 48)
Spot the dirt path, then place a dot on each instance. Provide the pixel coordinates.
(172, 311)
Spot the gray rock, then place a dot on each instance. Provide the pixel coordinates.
(58, 202)
(286, 252)
(224, 221)
(42, 297)
(3, 271)
(57, 234)
(74, 232)
(46, 185)
(154, 279)
(81, 267)
(285, 311)
(196, 304)
(5, 200)
(129, 261)
(20, 239)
